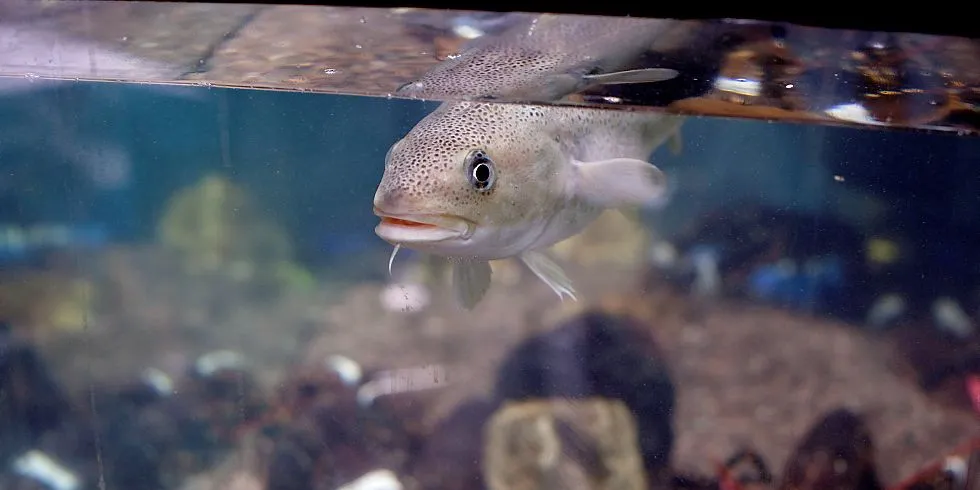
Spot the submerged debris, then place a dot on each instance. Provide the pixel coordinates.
(811, 263)
(599, 355)
(836, 454)
(326, 435)
(216, 228)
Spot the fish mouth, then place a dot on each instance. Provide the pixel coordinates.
(421, 228)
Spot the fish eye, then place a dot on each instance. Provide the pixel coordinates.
(480, 171)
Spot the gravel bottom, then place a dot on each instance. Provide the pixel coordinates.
(747, 375)
(753, 376)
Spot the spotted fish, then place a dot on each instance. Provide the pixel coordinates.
(477, 181)
(546, 57)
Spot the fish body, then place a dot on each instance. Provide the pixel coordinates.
(544, 58)
(477, 182)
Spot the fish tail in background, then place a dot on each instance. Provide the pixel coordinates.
(642, 75)
(555, 87)
(547, 57)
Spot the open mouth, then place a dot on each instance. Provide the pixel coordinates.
(388, 220)
(421, 227)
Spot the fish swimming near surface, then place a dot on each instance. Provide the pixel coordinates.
(476, 181)
(546, 57)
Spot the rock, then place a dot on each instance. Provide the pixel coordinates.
(31, 401)
(836, 453)
(574, 444)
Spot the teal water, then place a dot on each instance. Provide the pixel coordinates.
(314, 160)
(103, 162)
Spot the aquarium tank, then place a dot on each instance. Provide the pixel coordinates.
(301, 247)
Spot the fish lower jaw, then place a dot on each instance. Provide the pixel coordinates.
(410, 236)
(416, 234)
(439, 242)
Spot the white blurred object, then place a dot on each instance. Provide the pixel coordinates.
(159, 380)
(707, 282)
(853, 113)
(215, 361)
(108, 166)
(886, 310)
(950, 317)
(663, 255)
(349, 370)
(375, 480)
(740, 86)
(405, 297)
(39, 466)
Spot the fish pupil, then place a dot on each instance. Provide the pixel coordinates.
(481, 173)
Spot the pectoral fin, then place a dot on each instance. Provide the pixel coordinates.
(643, 75)
(620, 182)
(549, 272)
(471, 280)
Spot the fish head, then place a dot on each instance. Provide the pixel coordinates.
(469, 180)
